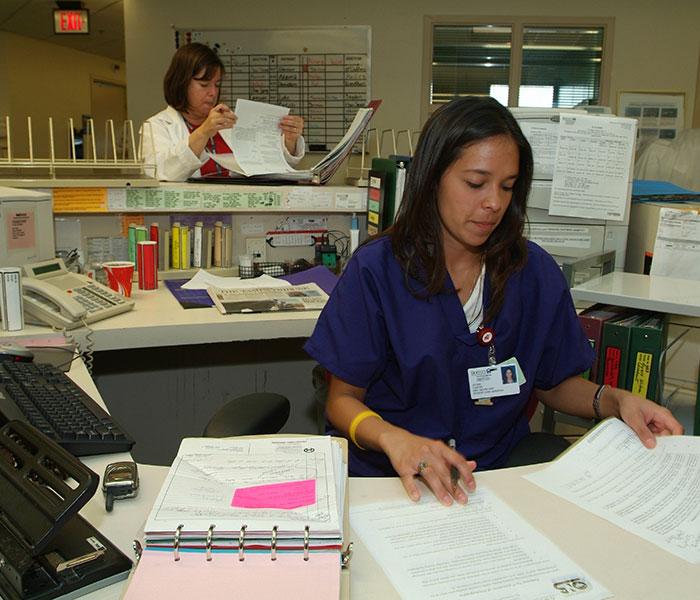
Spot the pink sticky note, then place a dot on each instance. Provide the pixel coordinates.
(287, 495)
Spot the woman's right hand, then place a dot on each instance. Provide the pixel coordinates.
(220, 117)
(415, 456)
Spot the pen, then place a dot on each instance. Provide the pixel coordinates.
(454, 473)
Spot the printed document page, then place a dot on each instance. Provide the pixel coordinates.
(207, 472)
(651, 493)
(592, 167)
(677, 245)
(257, 140)
(483, 550)
(543, 136)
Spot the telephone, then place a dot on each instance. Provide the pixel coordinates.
(57, 297)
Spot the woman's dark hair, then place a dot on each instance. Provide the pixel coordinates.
(190, 61)
(417, 234)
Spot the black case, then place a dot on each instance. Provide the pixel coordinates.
(42, 488)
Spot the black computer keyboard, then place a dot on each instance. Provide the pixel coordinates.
(48, 399)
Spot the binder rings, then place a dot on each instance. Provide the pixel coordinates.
(262, 516)
(46, 549)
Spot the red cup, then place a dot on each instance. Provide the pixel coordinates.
(147, 261)
(119, 276)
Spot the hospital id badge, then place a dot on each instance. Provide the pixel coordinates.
(492, 381)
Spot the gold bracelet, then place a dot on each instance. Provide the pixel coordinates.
(357, 419)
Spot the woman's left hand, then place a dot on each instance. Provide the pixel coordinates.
(646, 418)
(292, 127)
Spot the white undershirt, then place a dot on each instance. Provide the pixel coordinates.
(474, 306)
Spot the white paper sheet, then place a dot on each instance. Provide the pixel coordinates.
(206, 471)
(651, 493)
(257, 138)
(592, 167)
(203, 279)
(483, 550)
(677, 245)
(562, 236)
(543, 136)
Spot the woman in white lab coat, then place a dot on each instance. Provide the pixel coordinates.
(178, 138)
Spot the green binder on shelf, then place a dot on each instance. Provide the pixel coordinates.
(394, 169)
(376, 194)
(615, 348)
(647, 344)
(592, 320)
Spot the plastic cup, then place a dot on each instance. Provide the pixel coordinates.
(120, 275)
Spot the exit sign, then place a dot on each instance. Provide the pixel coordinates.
(71, 21)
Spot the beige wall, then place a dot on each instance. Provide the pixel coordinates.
(655, 47)
(45, 80)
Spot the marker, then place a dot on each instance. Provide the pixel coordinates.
(454, 472)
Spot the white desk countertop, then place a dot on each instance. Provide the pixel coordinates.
(662, 294)
(632, 568)
(158, 320)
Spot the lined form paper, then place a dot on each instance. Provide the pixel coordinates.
(652, 493)
(591, 176)
(483, 551)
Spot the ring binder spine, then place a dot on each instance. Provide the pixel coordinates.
(176, 542)
(138, 550)
(242, 534)
(241, 542)
(210, 535)
(273, 544)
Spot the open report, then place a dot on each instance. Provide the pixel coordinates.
(257, 145)
(257, 139)
(654, 494)
(483, 551)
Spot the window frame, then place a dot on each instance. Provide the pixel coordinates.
(517, 25)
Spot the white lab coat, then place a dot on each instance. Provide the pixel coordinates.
(165, 138)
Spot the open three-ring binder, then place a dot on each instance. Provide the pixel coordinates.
(251, 516)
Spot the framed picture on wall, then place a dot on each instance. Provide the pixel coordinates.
(659, 114)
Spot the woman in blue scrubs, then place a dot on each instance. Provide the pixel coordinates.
(426, 316)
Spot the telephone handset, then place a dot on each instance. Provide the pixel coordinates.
(51, 305)
(57, 297)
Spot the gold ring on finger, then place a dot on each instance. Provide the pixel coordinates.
(422, 466)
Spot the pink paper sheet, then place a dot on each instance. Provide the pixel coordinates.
(224, 577)
(287, 495)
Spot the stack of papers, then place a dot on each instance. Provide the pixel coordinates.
(287, 483)
(282, 496)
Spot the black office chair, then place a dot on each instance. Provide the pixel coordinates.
(252, 414)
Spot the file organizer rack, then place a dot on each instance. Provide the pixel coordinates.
(71, 169)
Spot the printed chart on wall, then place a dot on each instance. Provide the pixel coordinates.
(320, 73)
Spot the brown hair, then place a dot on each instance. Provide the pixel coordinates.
(417, 235)
(188, 62)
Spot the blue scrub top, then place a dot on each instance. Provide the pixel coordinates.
(412, 354)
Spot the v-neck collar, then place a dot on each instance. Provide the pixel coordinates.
(454, 311)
